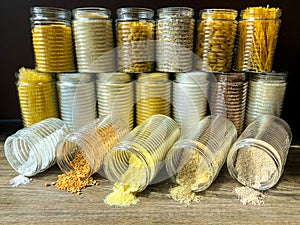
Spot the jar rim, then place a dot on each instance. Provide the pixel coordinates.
(175, 12)
(98, 12)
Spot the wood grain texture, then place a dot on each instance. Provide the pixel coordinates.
(36, 204)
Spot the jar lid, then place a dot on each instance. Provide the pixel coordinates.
(117, 77)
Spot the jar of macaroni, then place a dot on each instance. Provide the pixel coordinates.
(135, 39)
(258, 31)
(174, 39)
(52, 39)
(216, 32)
(93, 37)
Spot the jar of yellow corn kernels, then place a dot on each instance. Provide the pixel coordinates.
(135, 39)
(216, 33)
(52, 39)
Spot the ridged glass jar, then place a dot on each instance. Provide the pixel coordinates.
(77, 99)
(115, 95)
(258, 31)
(153, 95)
(93, 141)
(135, 39)
(52, 39)
(197, 157)
(228, 96)
(93, 38)
(265, 94)
(258, 156)
(31, 150)
(174, 39)
(216, 33)
(37, 96)
(189, 100)
(139, 156)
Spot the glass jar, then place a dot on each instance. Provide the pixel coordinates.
(197, 157)
(139, 156)
(37, 96)
(135, 39)
(93, 38)
(31, 150)
(77, 98)
(189, 99)
(228, 95)
(52, 39)
(258, 31)
(92, 142)
(258, 156)
(265, 94)
(115, 95)
(174, 39)
(153, 95)
(216, 31)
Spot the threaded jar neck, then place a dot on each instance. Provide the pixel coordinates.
(50, 13)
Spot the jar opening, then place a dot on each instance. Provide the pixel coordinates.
(134, 13)
(176, 12)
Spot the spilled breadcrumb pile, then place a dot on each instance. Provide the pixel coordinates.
(188, 178)
(75, 180)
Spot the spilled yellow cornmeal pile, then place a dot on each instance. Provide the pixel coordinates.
(75, 180)
(188, 179)
(124, 193)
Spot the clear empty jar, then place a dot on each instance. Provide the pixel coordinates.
(139, 156)
(258, 31)
(135, 40)
(153, 95)
(174, 39)
(228, 96)
(258, 157)
(92, 141)
(189, 99)
(115, 95)
(31, 150)
(216, 32)
(265, 94)
(52, 39)
(37, 96)
(197, 157)
(93, 37)
(77, 99)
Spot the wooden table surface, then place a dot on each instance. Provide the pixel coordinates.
(36, 204)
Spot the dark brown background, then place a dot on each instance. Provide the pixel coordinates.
(16, 48)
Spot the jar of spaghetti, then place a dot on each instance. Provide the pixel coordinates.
(37, 96)
(52, 39)
(93, 37)
(216, 31)
(174, 39)
(135, 39)
(258, 31)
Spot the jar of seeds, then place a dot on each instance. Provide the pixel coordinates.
(174, 39)
(135, 39)
(216, 31)
(52, 39)
(93, 37)
(257, 158)
(265, 94)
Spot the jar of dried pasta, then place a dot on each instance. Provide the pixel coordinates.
(135, 39)
(52, 39)
(77, 98)
(93, 37)
(37, 96)
(115, 95)
(89, 145)
(196, 159)
(258, 31)
(153, 95)
(257, 158)
(174, 39)
(216, 32)
(265, 94)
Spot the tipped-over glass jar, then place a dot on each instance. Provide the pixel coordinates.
(258, 156)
